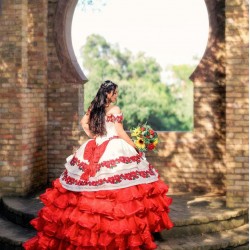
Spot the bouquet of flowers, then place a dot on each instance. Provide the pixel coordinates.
(144, 137)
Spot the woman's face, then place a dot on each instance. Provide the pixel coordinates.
(112, 96)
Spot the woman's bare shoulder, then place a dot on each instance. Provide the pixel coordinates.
(114, 110)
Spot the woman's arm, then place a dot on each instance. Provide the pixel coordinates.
(85, 125)
(123, 135)
(119, 127)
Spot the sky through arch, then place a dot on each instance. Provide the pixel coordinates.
(171, 31)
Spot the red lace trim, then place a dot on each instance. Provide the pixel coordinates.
(114, 118)
(112, 180)
(108, 164)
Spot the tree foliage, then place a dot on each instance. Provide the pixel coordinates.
(142, 95)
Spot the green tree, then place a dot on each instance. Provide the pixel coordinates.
(182, 71)
(182, 91)
(142, 96)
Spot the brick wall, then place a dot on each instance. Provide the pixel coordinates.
(237, 109)
(64, 100)
(23, 132)
(13, 79)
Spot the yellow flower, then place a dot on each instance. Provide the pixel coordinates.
(136, 132)
(156, 141)
(140, 144)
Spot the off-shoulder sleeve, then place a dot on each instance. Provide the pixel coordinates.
(118, 118)
(115, 118)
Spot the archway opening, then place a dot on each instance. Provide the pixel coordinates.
(150, 50)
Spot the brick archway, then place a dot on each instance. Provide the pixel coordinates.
(40, 109)
(209, 156)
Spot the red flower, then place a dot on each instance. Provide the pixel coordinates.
(112, 162)
(152, 132)
(150, 146)
(143, 129)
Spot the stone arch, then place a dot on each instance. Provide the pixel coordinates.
(71, 70)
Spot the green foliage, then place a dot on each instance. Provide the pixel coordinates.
(142, 96)
(182, 91)
(182, 72)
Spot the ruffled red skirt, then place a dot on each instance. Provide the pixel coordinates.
(111, 219)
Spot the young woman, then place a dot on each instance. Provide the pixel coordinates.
(109, 196)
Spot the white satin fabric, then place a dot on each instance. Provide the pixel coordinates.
(120, 165)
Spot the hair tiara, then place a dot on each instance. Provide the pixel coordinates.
(107, 84)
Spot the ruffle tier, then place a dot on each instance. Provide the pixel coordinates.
(120, 219)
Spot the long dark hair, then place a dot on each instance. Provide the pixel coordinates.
(97, 108)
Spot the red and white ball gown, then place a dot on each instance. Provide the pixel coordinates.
(109, 197)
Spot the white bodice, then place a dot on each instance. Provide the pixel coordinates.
(110, 121)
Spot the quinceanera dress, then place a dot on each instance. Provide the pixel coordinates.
(109, 197)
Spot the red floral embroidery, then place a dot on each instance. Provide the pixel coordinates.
(114, 118)
(112, 180)
(107, 164)
(121, 159)
(77, 162)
